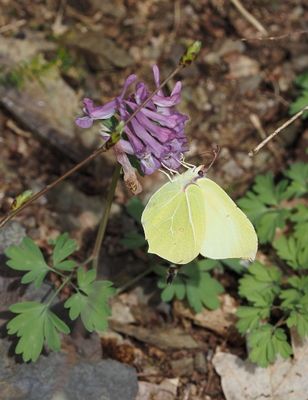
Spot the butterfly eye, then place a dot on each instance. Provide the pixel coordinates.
(201, 173)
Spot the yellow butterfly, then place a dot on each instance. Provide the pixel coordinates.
(192, 215)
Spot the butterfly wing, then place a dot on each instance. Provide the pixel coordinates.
(228, 232)
(174, 222)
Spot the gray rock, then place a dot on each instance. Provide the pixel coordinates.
(10, 290)
(58, 377)
(45, 105)
(11, 234)
(100, 52)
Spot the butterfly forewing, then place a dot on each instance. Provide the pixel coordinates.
(174, 222)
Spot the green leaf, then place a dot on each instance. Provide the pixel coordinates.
(287, 250)
(209, 290)
(265, 343)
(133, 240)
(268, 223)
(260, 284)
(193, 283)
(293, 298)
(92, 306)
(66, 265)
(299, 319)
(250, 317)
(85, 279)
(300, 218)
(207, 265)
(252, 205)
(135, 208)
(64, 247)
(302, 80)
(34, 325)
(238, 266)
(294, 252)
(300, 283)
(290, 298)
(261, 205)
(300, 103)
(268, 192)
(298, 173)
(168, 293)
(28, 257)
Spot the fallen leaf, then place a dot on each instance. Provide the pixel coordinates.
(284, 380)
(219, 320)
(166, 338)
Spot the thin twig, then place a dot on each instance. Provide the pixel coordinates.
(93, 155)
(37, 195)
(249, 17)
(58, 290)
(255, 120)
(278, 130)
(103, 223)
(274, 38)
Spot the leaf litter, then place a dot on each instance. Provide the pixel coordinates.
(283, 380)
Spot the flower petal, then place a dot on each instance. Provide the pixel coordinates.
(149, 164)
(156, 148)
(131, 79)
(161, 133)
(84, 122)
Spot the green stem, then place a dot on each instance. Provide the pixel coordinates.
(64, 276)
(135, 279)
(58, 290)
(103, 223)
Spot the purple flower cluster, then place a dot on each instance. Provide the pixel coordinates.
(155, 135)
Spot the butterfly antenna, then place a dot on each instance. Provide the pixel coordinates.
(215, 152)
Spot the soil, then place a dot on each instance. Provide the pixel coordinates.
(239, 78)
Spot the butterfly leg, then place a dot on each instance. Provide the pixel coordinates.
(173, 171)
(186, 164)
(168, 176)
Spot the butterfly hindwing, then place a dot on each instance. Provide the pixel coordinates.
(228, 232)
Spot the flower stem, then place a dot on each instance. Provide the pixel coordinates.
(111, 142)
(135, 279)
(58, 290)
(103, 223)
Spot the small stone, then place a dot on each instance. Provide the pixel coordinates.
(183, 366)
(200, 363)
(56, 377)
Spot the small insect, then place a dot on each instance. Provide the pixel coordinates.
(172, 273)
(21, 199)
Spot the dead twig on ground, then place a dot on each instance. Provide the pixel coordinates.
(249, 17)
(278, 130)
(255, 120)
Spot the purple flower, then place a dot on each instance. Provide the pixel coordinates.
(155, 136)
(93, 113)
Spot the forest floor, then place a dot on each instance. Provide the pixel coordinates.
(240, 89)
